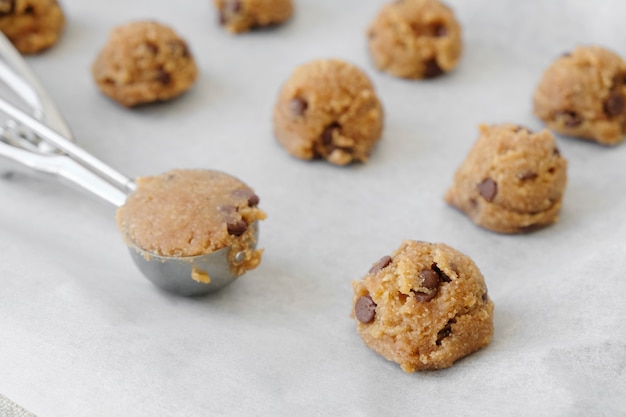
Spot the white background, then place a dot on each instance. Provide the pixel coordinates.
(82, 333)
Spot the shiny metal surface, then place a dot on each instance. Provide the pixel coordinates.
(176, 275)
(42, 142)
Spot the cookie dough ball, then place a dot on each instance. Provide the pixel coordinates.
(31, 25)
(423, 307)
(583, 94)
(328, 109)
(144, 62)
(186, 213)
(512, 181)
(415, 39)
(243, 15)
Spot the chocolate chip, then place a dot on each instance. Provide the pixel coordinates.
(249, 195)
(327, 133)
(365, 309)
(488, 189)
(381, 264)
(445, 332)
(29, 10)
(253, 200)
(298, 106)
(430, 281)
(432, 69)
(152, 48)
(439, 30)
(529, 228)
(237, 228)
(527, 175)
(614, 105)
(7, 7)
(485, 297)
(570, 118)
(556, 152)
(163, 77)
(222, 18)
(619, 80)
(442, 275)
(179, 46)
(422, 297)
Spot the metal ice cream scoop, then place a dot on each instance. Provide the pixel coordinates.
(43, 143)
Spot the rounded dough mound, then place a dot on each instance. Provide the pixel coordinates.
(415, 39)
(31, 25)
(512, 180)
(184, 213)
(243, 15)
(144, 62)
(328, 109)
(423, 307)
(583, 94)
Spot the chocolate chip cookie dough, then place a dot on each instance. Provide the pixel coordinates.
(512, 180)
(185, 213)
(423, 307)
(328, 109)
(243, 15)
(31, 25)
(144, 62)
(415, 39)
(583, 94)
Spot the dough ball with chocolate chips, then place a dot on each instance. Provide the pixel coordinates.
(186, 213)
(415, 39)
(583, 94)
(243, 15)
(144, 62)
(512, 180)
(423, 307)
(328, 109)
(31, 25)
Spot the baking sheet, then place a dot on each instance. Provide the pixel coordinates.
(83, 333)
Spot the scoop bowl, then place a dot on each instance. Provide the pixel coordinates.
(191, 275)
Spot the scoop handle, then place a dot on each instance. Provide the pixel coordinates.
(71, 163)
(16, 74)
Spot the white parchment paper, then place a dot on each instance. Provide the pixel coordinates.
(82, 333)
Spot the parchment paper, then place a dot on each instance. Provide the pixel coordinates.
(82, 333)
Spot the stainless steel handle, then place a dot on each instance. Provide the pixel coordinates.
(63, 167)
(73, 164)
(17, 75)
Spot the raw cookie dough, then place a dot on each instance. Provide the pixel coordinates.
(243, 15)
(512, 180)
(583, 94)
(31, 25)
(328, 109)
(192, 212)
(144, 62)
(423, 307)
(415, 39)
